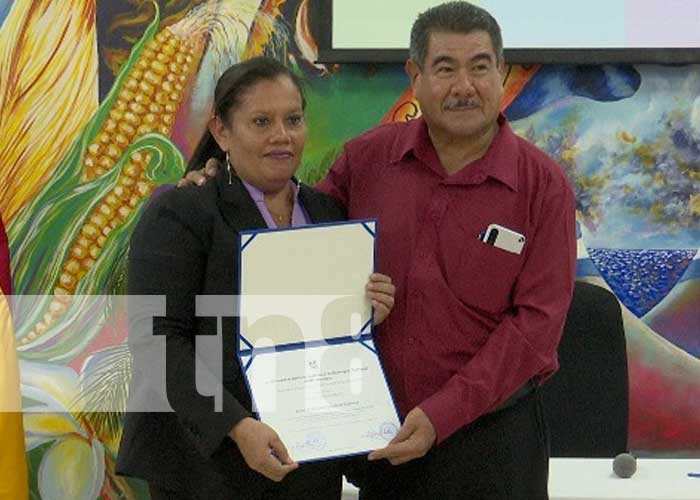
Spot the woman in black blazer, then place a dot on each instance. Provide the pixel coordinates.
(184, 444)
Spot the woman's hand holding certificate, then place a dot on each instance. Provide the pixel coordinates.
(380, 291)
(262, 449)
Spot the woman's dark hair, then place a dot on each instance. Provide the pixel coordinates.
(230, 87)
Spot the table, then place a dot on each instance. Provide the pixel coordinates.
(593, 479)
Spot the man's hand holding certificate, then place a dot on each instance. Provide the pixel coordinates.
(306, 343)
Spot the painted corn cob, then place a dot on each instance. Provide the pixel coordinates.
(147, 102)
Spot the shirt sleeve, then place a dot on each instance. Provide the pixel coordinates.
(523, 346)
(337, 182)
(167, 259)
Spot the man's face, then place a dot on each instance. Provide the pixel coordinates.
(460, 86)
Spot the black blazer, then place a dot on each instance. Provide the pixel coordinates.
(185, 245)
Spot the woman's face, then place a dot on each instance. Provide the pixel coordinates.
(265, 134)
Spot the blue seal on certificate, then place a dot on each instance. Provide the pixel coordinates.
(315, 440)
(388, 430)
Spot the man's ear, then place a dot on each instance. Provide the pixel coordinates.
(502, 68)
(413, 71)
(219, 131)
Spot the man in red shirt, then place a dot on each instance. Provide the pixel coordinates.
(478, 314)
(475, 327)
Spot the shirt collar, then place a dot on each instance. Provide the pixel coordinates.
(416, 140)
(499, 162)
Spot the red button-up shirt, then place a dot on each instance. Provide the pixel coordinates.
(472, 323)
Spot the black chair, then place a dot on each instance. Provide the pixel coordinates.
(587, 400)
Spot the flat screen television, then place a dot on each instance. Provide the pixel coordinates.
(535, 31)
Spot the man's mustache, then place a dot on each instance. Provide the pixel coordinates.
(455, 104)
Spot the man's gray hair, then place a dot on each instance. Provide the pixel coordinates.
(452, 17)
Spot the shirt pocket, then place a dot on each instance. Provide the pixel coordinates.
(485, 276)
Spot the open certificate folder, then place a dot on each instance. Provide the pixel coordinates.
(305, 341)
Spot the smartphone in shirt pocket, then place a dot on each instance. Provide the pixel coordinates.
(506, 239)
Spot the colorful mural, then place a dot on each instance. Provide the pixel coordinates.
(100, 103)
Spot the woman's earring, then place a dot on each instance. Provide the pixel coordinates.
(228, 167)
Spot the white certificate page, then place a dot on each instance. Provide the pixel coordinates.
(326, 401)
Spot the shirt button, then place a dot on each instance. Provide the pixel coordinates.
(411, 340)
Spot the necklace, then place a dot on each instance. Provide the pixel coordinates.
(281, 218)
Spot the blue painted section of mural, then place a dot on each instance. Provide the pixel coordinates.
(5, 6)
(554, 83)
(632, 162)
(641, 278)
(586, 267)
